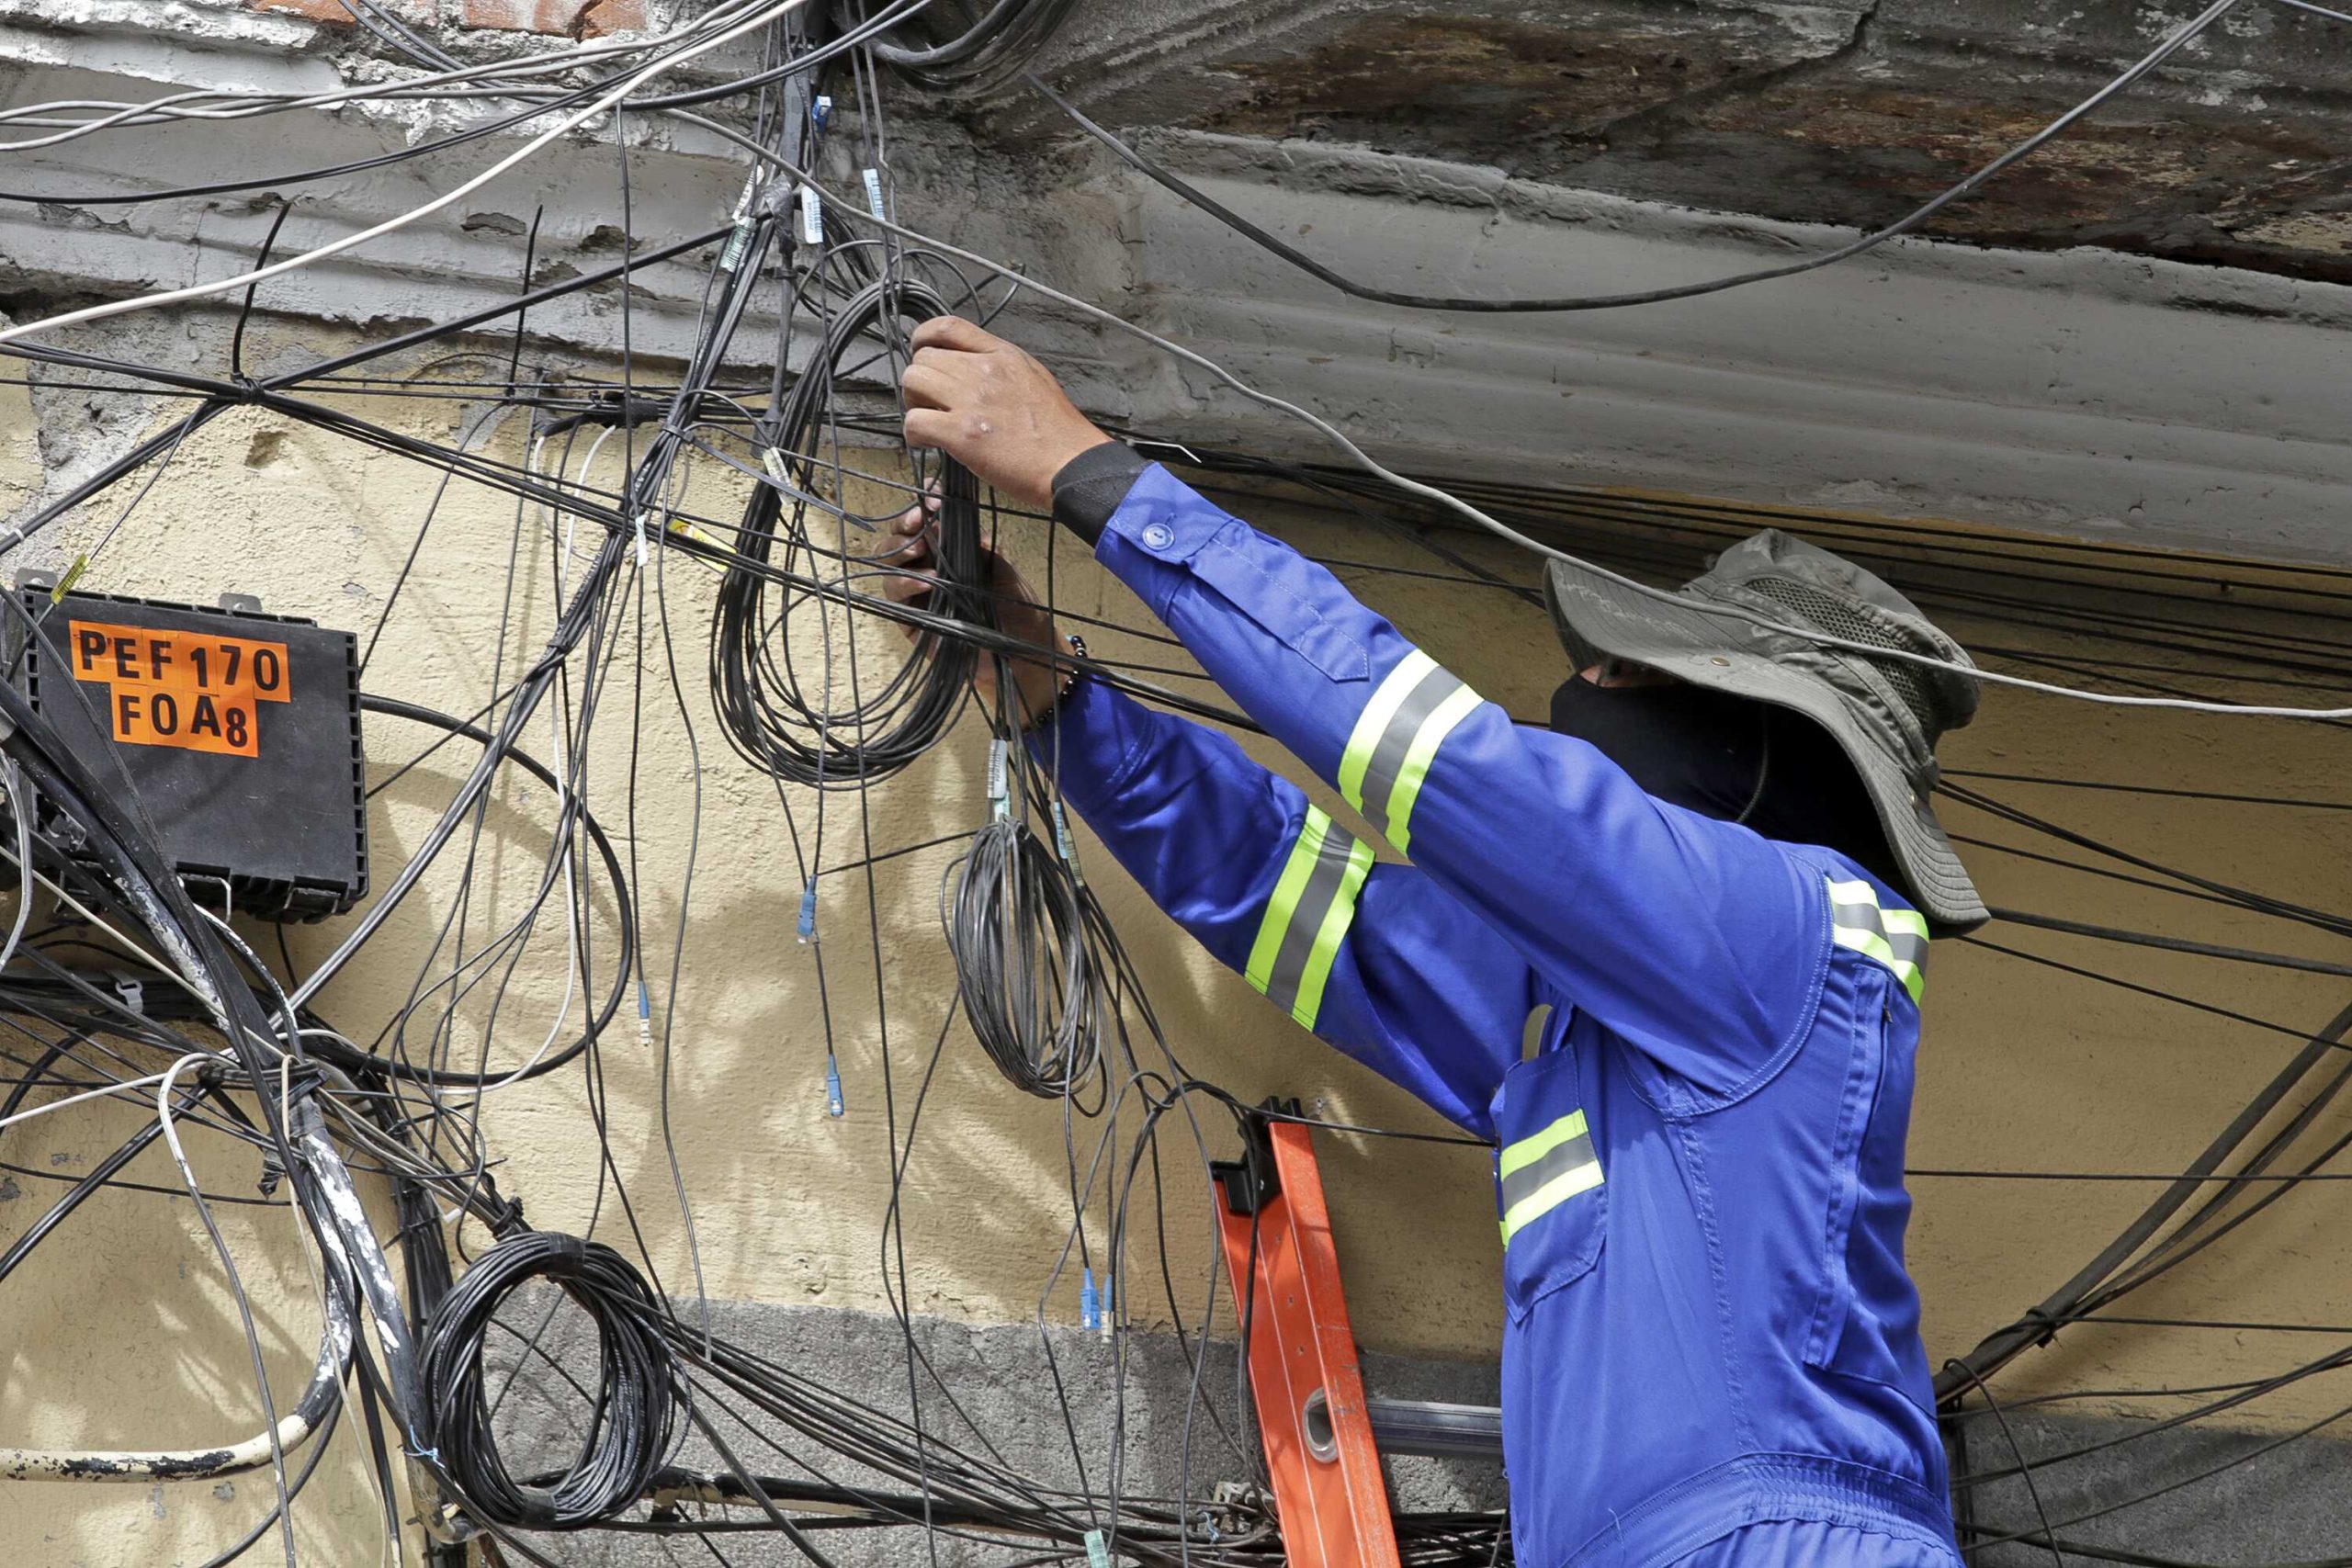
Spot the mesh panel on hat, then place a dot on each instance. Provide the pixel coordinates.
(1840, 619)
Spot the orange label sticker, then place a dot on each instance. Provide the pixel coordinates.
(193, 690)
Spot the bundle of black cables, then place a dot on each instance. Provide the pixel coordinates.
(768, 716)
(1025, 966)
(1002, 40)
(629, 1437)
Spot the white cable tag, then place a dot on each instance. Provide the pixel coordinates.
(999, 802)
(812, 217)
(1069, 850)
(873, 192)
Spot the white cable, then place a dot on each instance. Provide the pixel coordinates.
(276, 269)
(111, 1089)
(22, 810)
(186, 105)
(566, 550)
(273, 1432)
(290, 1432)
(130, 948)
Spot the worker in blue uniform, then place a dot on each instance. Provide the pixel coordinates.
(1666, 953)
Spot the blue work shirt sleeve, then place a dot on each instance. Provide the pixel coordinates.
(1698, 942)
(1373, 958)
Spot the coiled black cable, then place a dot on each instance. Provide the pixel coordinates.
(1025, 967)
(770, 716)
(632, 1430)
(999, 41)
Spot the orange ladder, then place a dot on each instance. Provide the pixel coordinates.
(1328, 1493)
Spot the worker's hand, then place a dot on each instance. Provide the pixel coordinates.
(1036, 685)
(992, 407)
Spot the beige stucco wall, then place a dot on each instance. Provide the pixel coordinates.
(124, 1332)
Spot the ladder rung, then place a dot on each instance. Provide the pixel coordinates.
(1439, 1430)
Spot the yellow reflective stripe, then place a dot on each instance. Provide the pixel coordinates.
(1373, 723)
(1451, 712)
(1550, 1196)
(1284, 903)
(1560, 1160)
(1307, 916)
(1895, 938)
(1528, 1150)
(1327, 936)
(1910, 920)
(1870, 944)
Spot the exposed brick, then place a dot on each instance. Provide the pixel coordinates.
(568, 19)
(522, 15)
(336, 11)
(611, 16)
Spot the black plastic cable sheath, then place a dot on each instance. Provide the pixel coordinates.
(2004, 1345)
(2174, 944)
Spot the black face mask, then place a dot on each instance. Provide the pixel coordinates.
(1731, 758)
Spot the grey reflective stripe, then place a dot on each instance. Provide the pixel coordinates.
(1387, 759)
(1312, 906)
(1561, 1158)
(1897, 938)
(1537, 1173)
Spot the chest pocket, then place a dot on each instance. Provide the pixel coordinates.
(1549, 1186)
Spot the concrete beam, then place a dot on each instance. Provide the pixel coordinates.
(1839, 111)
(2081, 392)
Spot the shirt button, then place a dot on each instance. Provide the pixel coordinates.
(1157, 535)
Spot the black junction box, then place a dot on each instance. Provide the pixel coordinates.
(238, 730)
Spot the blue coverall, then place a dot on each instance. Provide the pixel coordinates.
(1691, 1046)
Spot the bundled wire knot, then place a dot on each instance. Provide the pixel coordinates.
(1025, 966)
(629, 1433)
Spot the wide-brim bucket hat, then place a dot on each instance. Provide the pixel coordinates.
(1742, 627)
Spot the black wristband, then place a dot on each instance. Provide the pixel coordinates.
(1091, 485)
